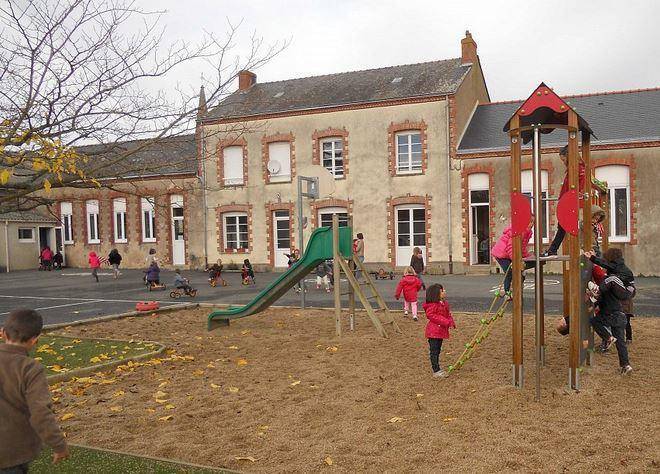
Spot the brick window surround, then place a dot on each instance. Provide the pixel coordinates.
(392, 203)
(233, 207)
(330, 132)
(465, 197)
(227, 142)
(630, 162)
(277, 137)
(320, 204)
(270, 243)
(395, 128)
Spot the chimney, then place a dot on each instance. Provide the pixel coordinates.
(201, 108)
(469, 50)
(246, 79)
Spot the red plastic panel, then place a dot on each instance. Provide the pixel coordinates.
(521, 213)
(543, 96)
(567, 212)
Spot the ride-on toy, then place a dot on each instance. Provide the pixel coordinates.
(179, 292)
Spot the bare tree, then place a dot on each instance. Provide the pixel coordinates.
(75, 103)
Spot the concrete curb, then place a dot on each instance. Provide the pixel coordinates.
(88, 370)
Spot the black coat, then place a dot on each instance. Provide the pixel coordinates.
(114, 258)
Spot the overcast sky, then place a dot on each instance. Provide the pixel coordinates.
(574, 46)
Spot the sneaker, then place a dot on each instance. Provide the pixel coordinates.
(415, 318)
(440, 374)
(628, 342)
(627, 370)
(405, 313)
(549, 253)
(509, 295)
(318, 287)
(609, 343)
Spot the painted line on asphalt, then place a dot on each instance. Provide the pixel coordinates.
(58, 306)
(83, 300)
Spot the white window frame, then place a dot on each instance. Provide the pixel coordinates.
(409, 169)
(478, 182)
(527, 187)
(92, 214)
(333, 151)
(237, 235)
(66, 214)
(119, 215)
(148, 206)
(233, 163)
(331, 211)
(284, 175)
(24, 240)
(614, 176)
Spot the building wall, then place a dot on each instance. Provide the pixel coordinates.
(22, 255)
(135, 250)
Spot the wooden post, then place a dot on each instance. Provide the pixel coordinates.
(351, 291)
(574, 258)
(517, 317)
(336, 270)
(588, 234)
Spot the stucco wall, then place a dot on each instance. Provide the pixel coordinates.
(22, 255)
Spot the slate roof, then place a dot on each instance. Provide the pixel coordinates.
(27, 216)
(356, 87)
(614, 117)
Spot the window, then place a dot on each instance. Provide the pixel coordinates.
(332, 152)
(618, 185)
(25, 234)
(479, 225)
(119, 207)
(279, 162)
(148, 219)
(236, 230)
(325, 216)
(232, 158)
(409, 152)
(527, 178)
(66, 211)
(93, 236)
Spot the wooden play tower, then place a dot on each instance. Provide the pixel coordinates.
(542, 113)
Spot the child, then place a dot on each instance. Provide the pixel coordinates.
(215, 272)
(46, 257)
(503, 253)
(437, 329)
(114, 259)
(247, 273)
(409, 285)
(359, 251)
(25, 402)
(58, 260)
(293, 258)
(417, 263)
(322, 276)
(181, 282)
(153, 274)
(597, 218)
(95, 264)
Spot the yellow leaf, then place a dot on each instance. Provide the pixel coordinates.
(169, 406)
(116, 408)
(4, 176)
(95, 360)
(210, 365)
(232, 347)
(233, 389)
(213, 385)
(332, 349)
(151, 410)
(420, 395)
(245, 332)
(395, 419)
(160, 394)
(297, 382)
(448, 419)
(241, 362)
(76, 341)
(166, 418)
(245, 458)
(161, 400)
(67, 416)
(198, 372)
(328, 461)
(162, 384)
(118, 393)
(47, 185)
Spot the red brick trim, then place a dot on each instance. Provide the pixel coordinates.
(325, 110)
(453, 133)
(392, 203)
(233, 207)
(465, 198)
(329, 132)
(395, 128)
(270, 243)
(506, 153)
(277, 137)
(222, 144)
(319, 204)
(631, 163)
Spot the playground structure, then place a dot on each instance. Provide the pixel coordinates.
(325, 243)
(542, 113)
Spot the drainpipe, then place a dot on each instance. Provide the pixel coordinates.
(449, 169)
(7, 243)
(205, 203)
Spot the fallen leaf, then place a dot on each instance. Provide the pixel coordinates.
(233, 389)
(162, 384)
(245, 458)
(332, 349)
(395, 419)
(241, 362)
(67, 416)
(328, 461)
(210, 365)
(297, 382)
(232, 347)
(160, 394)
(245, 332)
(169, 406)
(151, 410)
(166, 418)
(116, 408)
(448, 419)
(95, 360)
(214, 385)
(161, 400)
(420, 395)
(198, 372)
(118, 393)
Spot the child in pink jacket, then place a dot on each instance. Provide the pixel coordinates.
(437, 329)
(503, 253)
(410, 286)
(95, 264)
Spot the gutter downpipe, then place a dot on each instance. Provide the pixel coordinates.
(205, 202)
(449, 169)
(7, 243)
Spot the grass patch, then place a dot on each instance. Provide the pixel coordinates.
(60, 354)
(94, 460)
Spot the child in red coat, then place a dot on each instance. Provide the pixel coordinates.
(94, 264)
(409, 285)
(437, 329)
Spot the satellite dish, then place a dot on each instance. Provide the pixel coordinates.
(274, 167)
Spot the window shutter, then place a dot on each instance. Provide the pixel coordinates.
(281, 152)
(233, 165)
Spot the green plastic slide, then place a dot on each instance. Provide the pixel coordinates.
(319, 248)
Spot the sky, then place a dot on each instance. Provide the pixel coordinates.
(574, 46)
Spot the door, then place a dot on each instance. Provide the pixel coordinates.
(281, 237)
(479, 219)
(44, 238)
(410, 232)
(178, 242)
(59, 244)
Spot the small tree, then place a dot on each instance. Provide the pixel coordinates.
(78, 72)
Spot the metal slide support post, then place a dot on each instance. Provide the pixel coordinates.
(538, 279)
(300, 236)
(336, 269)
(517, 313)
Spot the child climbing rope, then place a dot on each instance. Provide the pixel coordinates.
(410, 286)
(437, 329)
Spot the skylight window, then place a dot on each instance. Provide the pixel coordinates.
(396, 80)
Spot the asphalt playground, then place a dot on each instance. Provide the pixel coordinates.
(72, 294)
